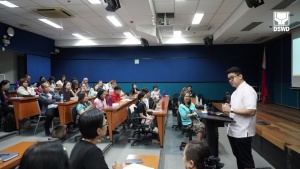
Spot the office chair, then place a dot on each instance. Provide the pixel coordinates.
(185, 129)
(140, 129)
(75, 121)
(175, 104)
(179, 125)
(39, 117)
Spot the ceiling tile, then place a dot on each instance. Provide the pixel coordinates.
(185, 7)
(164, 6)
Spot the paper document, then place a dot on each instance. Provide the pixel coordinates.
(203, 111)
(137, 166)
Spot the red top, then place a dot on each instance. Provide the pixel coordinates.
(115, 97)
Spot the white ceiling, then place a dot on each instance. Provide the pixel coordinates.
(224, 18)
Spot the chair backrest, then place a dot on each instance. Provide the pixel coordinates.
(39, 105)
(179, 122)
(152, 103)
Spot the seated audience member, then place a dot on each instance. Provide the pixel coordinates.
(194, 154)
(93, 91)
(6, 104)
(111, 86)
(42, 79)
(45, 155)
(75, 87)
(23, 90)
(155, 94)
(134, 90)
(67, 90)
(61, 82)
(148, 119)
(190, 90)
(83, 88)
(100, 101)
(183, 90)
(116, 94)
(47, 100)
(39, 89)
(86, 82)
(83, 103)
(51, 81)
(147, 93)
(100, 85)
(28, 78)
(85, 154)
(189, 117)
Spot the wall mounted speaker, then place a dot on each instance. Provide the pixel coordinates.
(144, 42)
(112, 5)
(208, 41)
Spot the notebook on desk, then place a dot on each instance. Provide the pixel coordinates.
(5, 156)
(134, 161)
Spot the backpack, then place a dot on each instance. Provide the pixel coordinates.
(9, 123)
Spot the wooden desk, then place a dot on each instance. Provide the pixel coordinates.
(24, 107)
(149, 160)
(217, 106)
(160, 116)
(116, 115)
(18, 148)
(65, 108)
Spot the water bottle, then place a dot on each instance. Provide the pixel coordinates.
(61, 98)
(164, 94)
(200, 101)
(197, 100)
(92, 93)
(205, 108)
(163, 105)
(110, 101)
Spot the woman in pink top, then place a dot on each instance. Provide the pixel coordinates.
(100, 101)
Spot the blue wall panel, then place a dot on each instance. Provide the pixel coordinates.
(38, 66)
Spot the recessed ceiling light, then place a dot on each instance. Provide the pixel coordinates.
(197, 18)
(79, 36)
(128, 34)
(8, 4)
(114, 21)
(95, 1)
(177, 33)
(50, 23)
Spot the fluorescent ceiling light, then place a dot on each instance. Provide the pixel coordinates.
(197, 18)
(128, 34)
(95, 1)
(79, 36)
(50, 23)
(177, 33)
(114, 21)
(8, 4)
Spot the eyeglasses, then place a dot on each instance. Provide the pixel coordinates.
(231, 78)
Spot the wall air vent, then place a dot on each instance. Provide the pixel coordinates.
(260, 39)
(283, 4)
(56, 12)
(251, 26)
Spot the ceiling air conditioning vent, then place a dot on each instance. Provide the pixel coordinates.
(198, 28)
(251, 26)
(56, 12)
(283, 4)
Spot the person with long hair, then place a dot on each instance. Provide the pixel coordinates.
(85, 154)
(23, 89)
(134, 90)
(100, 101)
(66, 90)
(75, 87)
(83, 103)
(6, 104)
(45, 155)
(189, 117)
(194, 154)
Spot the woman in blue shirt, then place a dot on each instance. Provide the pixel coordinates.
(83, 103)
(189, 117)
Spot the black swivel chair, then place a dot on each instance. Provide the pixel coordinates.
(185, 129)
(74, 117)
(141, 130)
(179, 125)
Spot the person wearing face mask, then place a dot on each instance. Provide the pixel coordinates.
(148, 119)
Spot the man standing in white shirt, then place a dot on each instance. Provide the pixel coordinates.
(242, 109)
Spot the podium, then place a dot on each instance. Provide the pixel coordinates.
(212, 123)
